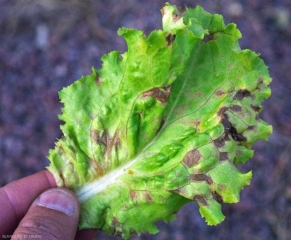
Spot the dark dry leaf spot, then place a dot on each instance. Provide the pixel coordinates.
(115, 226)
(147, 197)
(208, 37)
(237, 136)
(236, 108)
(162, 9)
(223, 156)
(178, 191)
(219, 92)
(220, 142)
(116, 140)
(221, 112)
(106, 140)
(98, 169)
(116, 222)
(92, 115)
(229, 129)
(225, 123)
(238, 153)
(241, 94)
(170, 39)
(98, 81)
(94, 136)
(256, 108)
(176, 18)
(98, 137)
(260, 82)
(217, 197)
(192, 158)
(226, 138)
(196, 94)
(252, 128)
(133, 194)
(201, 200)
(201, 177)
(161, 94)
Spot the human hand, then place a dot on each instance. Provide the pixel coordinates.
(33, 207)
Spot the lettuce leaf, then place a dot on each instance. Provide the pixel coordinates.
(162, 124)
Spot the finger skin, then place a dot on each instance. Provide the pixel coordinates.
(53, 215)
(16, 198)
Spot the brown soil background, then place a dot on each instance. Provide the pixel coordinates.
(46, 45)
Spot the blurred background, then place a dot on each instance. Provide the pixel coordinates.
(46, 45)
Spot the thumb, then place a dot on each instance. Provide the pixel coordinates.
(53, 215)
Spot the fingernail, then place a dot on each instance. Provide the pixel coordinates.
(58, 199)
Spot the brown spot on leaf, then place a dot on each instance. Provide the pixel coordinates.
(161, 94)
(201, 200)
(170, 39)
(219, 92)
(217, 197)
(201, 177)
(227, 138)
(197, 94)
(179, 110)
(252, 128)
(94, 135)
(220, 142)
(238, 152)
(98, 80)
(147, 197)
(105, 139)
(260, 81)
(92, 115)
(115, 222)
(230, 129)
(241, 94)
(237, 136)
(115, 227)
(197, 125)
(221, 111)
(179, 191)
(192, 158)
(236, 108)
(226, 124)
(194, 123)
(208, 37)
(256, 108)
(133, 194)
(116, 140)
(221, 187)
(98, 169)
(162, 9)
(176, 18)
(223, 156)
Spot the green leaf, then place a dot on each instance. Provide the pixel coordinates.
(162, 125)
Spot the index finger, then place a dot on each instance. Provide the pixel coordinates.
(17, 196)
